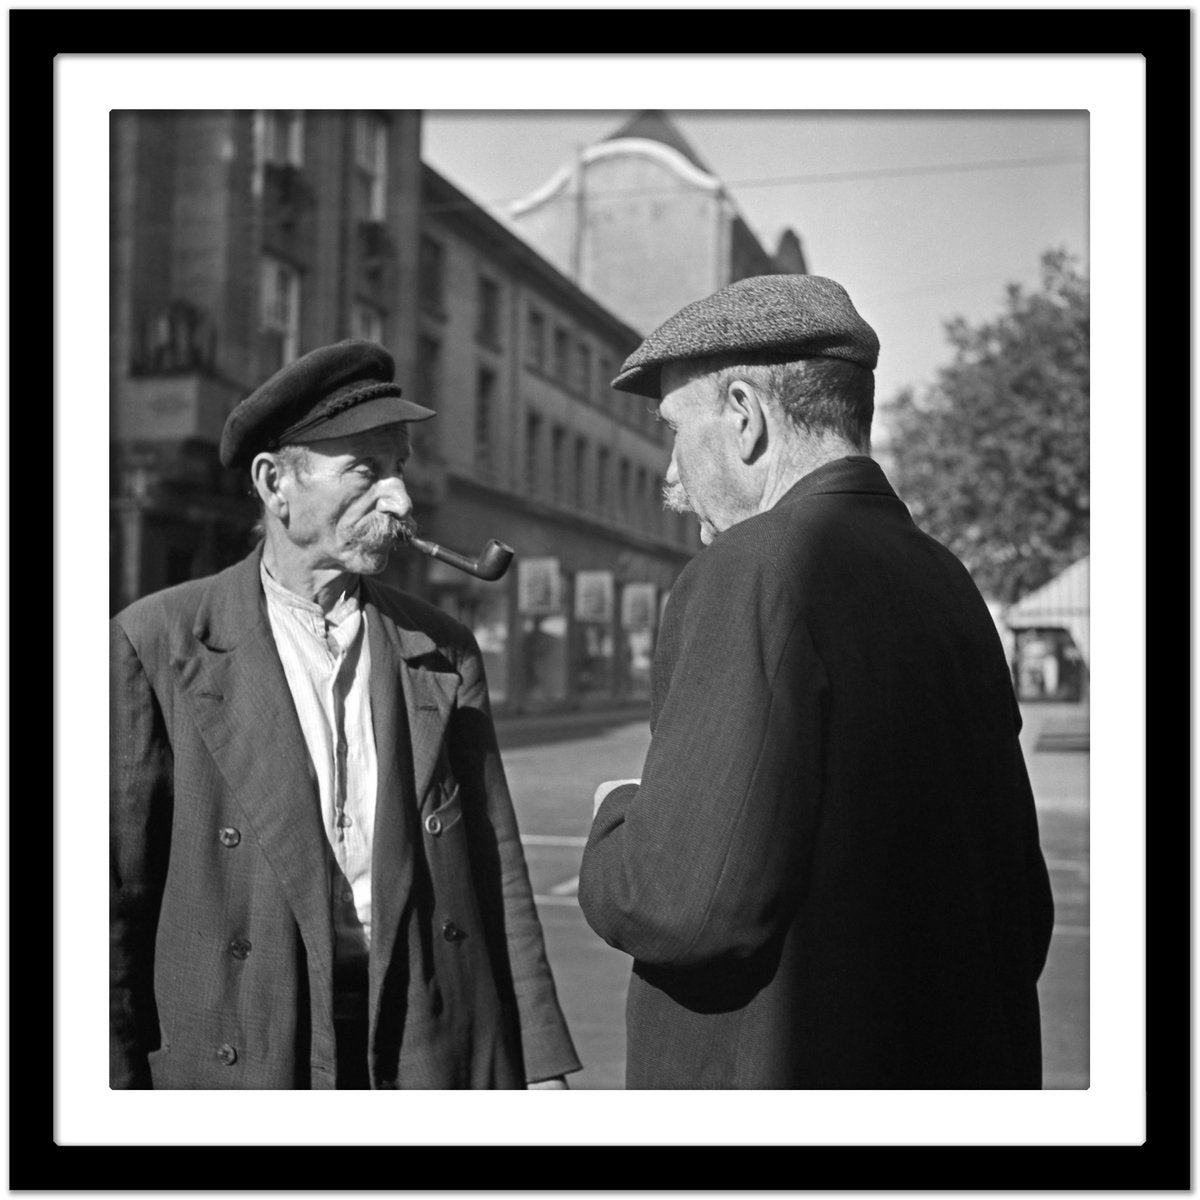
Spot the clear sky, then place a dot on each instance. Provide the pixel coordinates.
(913, 247)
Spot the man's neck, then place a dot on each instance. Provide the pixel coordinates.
(323, 586)
(804, 456)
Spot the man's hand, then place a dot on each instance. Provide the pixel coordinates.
(606, 787)
(558, 1084)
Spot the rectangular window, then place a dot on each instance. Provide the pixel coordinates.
(602, 461)
(533, 451)
(558, 440)
(370, 166)
(485, 398)
(429, 372)
(580, 471)
(488, 323)
(583, 381)
(535, 347)
(279, 316)
(366, 322)
(430, 271)
(640, 514)
(604, 378)
(279, 135)
(562, 351)
(623, 489)
(427, 391)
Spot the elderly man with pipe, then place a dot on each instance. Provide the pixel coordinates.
(829, 874)
(316, 874)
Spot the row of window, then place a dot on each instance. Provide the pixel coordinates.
(279, 313)
(551, 351)
(279, 142)
(575, 476)
(568, 360)
(572, 363)
(636, 497)
(431, 291)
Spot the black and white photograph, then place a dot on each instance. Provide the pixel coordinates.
(599, 599)
(857, 856)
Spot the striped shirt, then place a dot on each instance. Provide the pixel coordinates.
(327, 660)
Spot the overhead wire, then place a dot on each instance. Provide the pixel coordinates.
(468, 204)
(801, 179)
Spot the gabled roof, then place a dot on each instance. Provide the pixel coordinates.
(655, 126)
(1063, 603)
(1067, 592)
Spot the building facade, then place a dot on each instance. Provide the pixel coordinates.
(639, 221)
(239, 241)
(534, 448)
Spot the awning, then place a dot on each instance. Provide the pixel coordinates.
(1063, 603)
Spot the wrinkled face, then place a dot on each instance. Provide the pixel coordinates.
(704, 473)
(348, 506)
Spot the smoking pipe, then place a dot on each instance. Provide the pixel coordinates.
(490, 564)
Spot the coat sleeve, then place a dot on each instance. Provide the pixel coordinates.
(705, 861)
(140, 800)
(521, 966)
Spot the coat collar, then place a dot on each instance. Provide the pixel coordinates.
(854, 474)
(234, 609)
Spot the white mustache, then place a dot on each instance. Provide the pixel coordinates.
(384, 529)
(675, 498)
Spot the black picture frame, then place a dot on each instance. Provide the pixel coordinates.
(37, 1162)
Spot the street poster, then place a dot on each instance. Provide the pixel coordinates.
(594, 596)
(638, 606)
(539, 587)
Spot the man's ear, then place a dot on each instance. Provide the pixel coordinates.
(267, 475)
(744, 407)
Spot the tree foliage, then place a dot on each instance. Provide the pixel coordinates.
(992, 460)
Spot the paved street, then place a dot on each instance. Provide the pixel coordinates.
(554, 765)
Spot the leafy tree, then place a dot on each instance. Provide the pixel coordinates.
(993, 458)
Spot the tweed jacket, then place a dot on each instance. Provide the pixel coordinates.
(221, 950)
(830, 875)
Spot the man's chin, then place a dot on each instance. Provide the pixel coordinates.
(370, 562)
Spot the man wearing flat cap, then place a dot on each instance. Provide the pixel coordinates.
(316, 875)
(829, 874)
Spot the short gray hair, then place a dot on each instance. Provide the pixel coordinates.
(295, 459)
(819, 395)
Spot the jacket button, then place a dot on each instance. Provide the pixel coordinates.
(229, 836)
(434, 824)
(227, 1054)
(239, 947)
(452, 933)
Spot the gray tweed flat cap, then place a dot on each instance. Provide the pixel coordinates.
(806, 316)
(327, 393)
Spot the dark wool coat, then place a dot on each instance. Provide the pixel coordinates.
(222, 939)
(830, 875)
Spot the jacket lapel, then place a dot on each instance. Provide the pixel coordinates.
(242, 704)
(410, 712)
